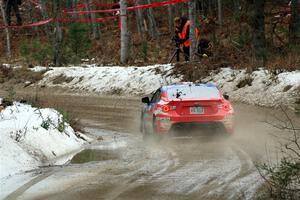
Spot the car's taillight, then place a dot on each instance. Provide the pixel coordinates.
(226, 107)
(165, 108)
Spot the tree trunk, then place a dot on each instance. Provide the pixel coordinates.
(220, 20)
(57, 35)
(30, 12)
(140, 20)
(93, 24)
(192, 13)
(152, 22)
(45, 16)
(294, 29)
(170, 18)
(8, 47)
(257, 22)
(124, 33)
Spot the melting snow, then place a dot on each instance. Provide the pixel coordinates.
(259, 87)
(25, 144)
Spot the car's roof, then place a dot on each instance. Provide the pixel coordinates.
(184, 84)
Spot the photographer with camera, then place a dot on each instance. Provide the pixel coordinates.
(182, 37)
(9, 4)
(182, 32)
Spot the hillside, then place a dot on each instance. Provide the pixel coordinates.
(232, 42)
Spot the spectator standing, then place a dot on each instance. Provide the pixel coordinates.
(9, 5)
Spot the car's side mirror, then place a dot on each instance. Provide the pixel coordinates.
(226, 96)
(146, 100)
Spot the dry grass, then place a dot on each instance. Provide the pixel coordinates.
(193, 71)
(62, 79)
(41, 101)
(19, 75)
(289, 62)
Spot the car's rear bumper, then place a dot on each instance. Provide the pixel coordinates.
(165, 123)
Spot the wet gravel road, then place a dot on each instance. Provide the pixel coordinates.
(123, 166)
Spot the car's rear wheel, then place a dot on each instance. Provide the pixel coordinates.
(154, 125)
(143, 129)
(155, 133)
(145, 132)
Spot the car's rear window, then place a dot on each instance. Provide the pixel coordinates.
(192, 92)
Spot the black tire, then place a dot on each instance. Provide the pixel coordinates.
(154, 125)
(142, 126)
(156, 136)
(146, 134)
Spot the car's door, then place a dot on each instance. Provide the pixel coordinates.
(150, 109)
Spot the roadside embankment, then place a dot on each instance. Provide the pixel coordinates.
(260, 87)
(31, 137)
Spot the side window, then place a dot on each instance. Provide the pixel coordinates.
(156, 96)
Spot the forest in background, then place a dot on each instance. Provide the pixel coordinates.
(244, 33)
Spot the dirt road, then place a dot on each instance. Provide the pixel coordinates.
(123, 166)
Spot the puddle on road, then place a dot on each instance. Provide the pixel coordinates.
(89, 155)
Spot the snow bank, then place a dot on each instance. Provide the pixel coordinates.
(110, 80)
(260, 87)
(31, 136)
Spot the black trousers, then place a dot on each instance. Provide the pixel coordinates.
(9, 5)
(186, 52)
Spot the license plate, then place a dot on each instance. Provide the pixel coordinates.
(196, 110)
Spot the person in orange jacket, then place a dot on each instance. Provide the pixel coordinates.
(182, 34)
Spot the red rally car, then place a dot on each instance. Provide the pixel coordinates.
(185, 103)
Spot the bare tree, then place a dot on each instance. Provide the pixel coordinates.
(170, 18)
(140, 20)
(257, 23)
(8, 47)
(57, 34)
(93, 24)
(192, 37)
(294, 29)
(124, 33)
(283, 177)
(220, 20)
(152, 22)
(45, 15)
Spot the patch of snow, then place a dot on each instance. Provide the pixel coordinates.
(6, 65)
(38, 69)
(260, 87)
(30, 137)
(112, 80)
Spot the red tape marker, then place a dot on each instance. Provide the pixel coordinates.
(40, 23)
(128, 8)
